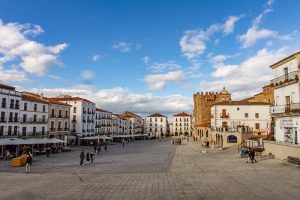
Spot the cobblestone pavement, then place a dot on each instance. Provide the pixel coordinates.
(151, 170)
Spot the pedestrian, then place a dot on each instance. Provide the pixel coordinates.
(207, 144)
(87, 156)
(92, 155)
(105, 146)
(47, 152)
(95, 148)
(252, 155)
(99, 148)
(81, 157)
(123, 143)
(248, 155)
(28, 163)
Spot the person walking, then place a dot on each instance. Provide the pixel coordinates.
(252, 155)
(123, 143)
(105, 146)
(48, 152)
(98, 149)
(88, 156)
(28, 163)
(92, 156)
(248, 155)
(81, 157)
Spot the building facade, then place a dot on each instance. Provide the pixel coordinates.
(103, 122)
(59, 120)
(156, 125)
(182, 124)
(286, 111)
(9, 111)
(33, 115)
(82, 115)
(136, 123)
(201, 113)
(232, 122)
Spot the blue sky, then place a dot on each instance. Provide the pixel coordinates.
(144, 56)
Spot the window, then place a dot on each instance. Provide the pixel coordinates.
(10, 117)
(256, 125)
(44, 108)
(59, 114)
(3, 103)
(66, 114)
(52, 125)
(16, 117)
(43, 130)
(34, 131)
(59, 126)
(2, 119)
(34, 118)
(25, 106)
(52, 113)
(161, 119)
(17, 104)
(44, 118)
(9, 130)
(15, 130)
(155, 119)
(12, 101)
(35, 107)
(24, 118)
(256, 115)
(246, 115)
(150, 119)
(74, 110)
(24, 131)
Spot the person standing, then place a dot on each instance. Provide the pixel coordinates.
(98, 149)
(28, 163)
(92, 156)
(81, 157)
(105, 146)
(88, 156)
(123, 143)
(95, 148)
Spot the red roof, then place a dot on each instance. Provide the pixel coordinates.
(128, 114)
(27, 96)
(7, 87)
(156, 115)
(182, 114)
(101, 110)
(70, 99)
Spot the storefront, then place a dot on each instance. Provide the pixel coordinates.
(287, 130)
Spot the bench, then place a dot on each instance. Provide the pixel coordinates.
(293, 160)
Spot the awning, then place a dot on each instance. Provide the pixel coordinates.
(31, 141)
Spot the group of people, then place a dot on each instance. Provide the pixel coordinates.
(249, 154)
(88, 156)
(206, 144)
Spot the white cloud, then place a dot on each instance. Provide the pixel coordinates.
(33, 57)
(122, 46)
(230, 23)
(164, 66)
(13, 75)
(254, 33)
(158, 81)
(96, 57)
(192, 43)
(87, 75)
(248, 77)
(54, 77)
(120, 99)
(146, 59)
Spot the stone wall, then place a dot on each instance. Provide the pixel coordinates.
(281, 150)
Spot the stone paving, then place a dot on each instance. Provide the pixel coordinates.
(151, 170)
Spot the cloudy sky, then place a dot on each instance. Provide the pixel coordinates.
(144, 56)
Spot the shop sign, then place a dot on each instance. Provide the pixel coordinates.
(277, 109)
(287, 123)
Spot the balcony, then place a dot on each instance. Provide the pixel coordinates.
(73, 130)
(3, 105)
(286, 79)
(67, 117)
(84, 111)
(288, 108)
(224, 116)
(34, 121)
(83, 120)
(83, 130)
(60, 116)
(73, 120)
(13, 120)
(52, 116)
(3, 120)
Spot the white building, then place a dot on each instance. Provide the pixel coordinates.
(286, 111)
(135, 123)
(59, 120)
(82, 115)
(9, 111)
(156, 125)
(103, 122)
(233, 114)
(116, 124)
(182, 124)
(33, 115)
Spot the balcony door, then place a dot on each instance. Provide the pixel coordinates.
(223, 113)
(287, 103)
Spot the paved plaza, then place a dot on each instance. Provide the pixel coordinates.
(151, 170)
